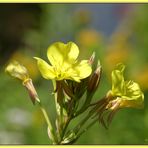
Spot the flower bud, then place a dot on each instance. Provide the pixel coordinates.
(94, 79)
(91, 59)
(67, 89)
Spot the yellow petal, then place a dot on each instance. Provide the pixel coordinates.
(118, 83)
(132, 89)
(73, 51)
(83, 69)
(17, 70)
(58, 53)
(77, 79)
(45, 69)
(132, 103)
(134, 97)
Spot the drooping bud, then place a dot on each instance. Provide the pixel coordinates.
(94, 79)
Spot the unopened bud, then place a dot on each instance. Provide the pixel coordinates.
(91, 59)
(67, 89)
(94, 79)
(31, 90)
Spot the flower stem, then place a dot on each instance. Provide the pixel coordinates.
(65, 128)
(47, 121)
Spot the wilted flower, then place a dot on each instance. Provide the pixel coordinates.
(63, 58)
(20, 72)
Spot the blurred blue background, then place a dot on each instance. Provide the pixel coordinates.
(116, 32)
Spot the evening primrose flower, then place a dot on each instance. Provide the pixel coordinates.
(124, 93)
(64, 64)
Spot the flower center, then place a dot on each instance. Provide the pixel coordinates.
(60, 72)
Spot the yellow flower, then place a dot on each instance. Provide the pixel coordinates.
(18, 71)
(124, 93)
(64, 64)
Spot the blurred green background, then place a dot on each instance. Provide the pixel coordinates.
(116, 32)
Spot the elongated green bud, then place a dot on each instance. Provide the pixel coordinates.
(91, 59)
(94, 79)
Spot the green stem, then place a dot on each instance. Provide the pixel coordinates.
(65, 128)
(47, 121)
(55, 95)
(59, 110)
